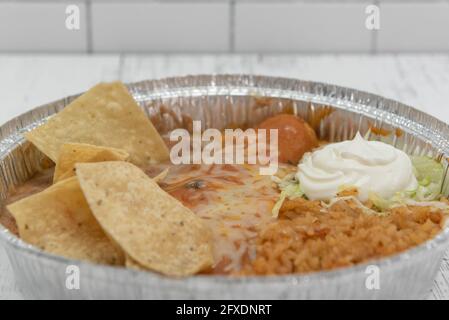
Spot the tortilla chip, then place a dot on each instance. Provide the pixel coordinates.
(108, 116)
(151, 226)
(58, 220)
(161, 176)
(133, 264)
(72, 153)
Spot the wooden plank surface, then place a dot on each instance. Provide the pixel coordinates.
(27, 81)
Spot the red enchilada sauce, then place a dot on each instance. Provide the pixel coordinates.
(235, 201)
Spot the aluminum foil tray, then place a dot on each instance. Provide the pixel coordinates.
(221, 101)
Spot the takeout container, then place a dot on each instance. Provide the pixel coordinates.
(222, 101)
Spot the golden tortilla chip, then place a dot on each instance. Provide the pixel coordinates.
(133, 264)
(151, 226)
(58, 220)
(161, 176)
(108, 116)
(72, 153)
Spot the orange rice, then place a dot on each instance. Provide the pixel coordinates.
(308, 237)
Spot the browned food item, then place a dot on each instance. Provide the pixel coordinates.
(295, 136)
(39, 182)
(73, 153)
(152, 227)
(58, 220)
(307, 239)
(108, 116)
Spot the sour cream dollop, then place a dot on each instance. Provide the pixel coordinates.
(369, 166)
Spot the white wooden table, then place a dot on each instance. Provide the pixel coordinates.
(27, 81)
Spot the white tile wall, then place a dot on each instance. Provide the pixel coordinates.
(160, 27)
(414, 27)
(40, 27)
(301, 27)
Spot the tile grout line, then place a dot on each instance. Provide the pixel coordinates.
(231, 30)
(89, 36)
(375, 33)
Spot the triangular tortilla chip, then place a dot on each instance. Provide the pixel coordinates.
(161, 176)
(151, 226)
(133, 264)
(108, 116)
(58, 220)
(72, 153)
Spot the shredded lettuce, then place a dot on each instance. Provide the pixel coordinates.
(384, 204)
(356, 201)
(427, 169)
(429, 174)
(379, 202)
(290, 189)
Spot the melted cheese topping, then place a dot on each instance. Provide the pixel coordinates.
(234, 201)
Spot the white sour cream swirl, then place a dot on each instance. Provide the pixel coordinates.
(370, 166)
